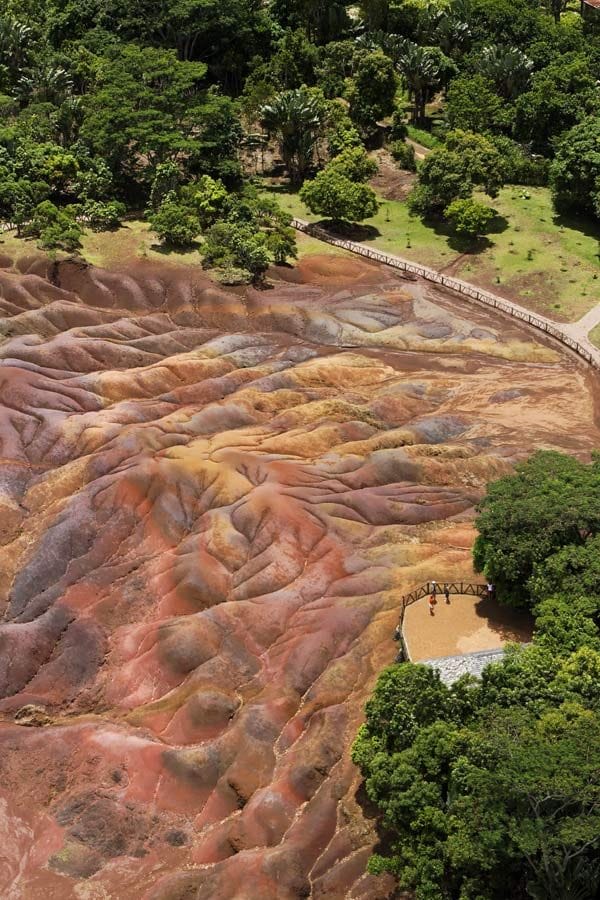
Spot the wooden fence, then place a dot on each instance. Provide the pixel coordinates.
(465, 588)
(592, 357)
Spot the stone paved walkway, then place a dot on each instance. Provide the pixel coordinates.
(452, 667)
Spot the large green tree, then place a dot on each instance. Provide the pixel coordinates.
(550, 502)
(371, 90)
(575, 172)
(142, 112)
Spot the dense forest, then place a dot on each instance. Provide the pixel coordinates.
(491, 789)
(110, 106)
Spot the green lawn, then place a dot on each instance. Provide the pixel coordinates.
(595, 336)
(545, 263)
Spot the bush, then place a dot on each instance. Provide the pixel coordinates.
(404, 155)
(354, 164)
(468, 217)
(336, 197)
(399, 129)
(521, 166)
(56, 228)
(103, 216)
(231, 245)
(175, 224)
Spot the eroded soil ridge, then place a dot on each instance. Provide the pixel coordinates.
(210, 503)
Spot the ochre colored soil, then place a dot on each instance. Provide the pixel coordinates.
(210, 505)
(465, 625)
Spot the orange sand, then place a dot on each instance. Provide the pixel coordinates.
(468, 624)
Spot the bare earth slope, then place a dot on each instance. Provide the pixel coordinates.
(210, 502)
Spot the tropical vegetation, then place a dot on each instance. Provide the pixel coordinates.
(490, 788)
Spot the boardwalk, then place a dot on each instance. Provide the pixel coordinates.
(571, 336)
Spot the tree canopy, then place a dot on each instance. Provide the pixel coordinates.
(491, 789)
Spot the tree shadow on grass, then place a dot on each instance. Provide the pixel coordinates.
(584, 224)
(467, 245)
(167, 249)
(351, 231)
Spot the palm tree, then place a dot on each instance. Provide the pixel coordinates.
(422, 71)
(47, 83)
(508, 67)
(15, 39)
(295, 118)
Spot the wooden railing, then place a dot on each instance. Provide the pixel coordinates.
(590, 356)
(466, 588)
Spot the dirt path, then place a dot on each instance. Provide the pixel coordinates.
(581, 329)
(420, 151)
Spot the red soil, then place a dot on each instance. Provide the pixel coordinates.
(210, 503)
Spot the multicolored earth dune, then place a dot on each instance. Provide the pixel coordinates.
(210, 503)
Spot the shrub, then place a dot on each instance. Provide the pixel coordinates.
(336, 197)
(236, 246)
(175, 224)
(404, 155)
(56, 228)
(468, 217)
(103, 216)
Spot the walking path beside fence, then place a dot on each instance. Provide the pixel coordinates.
(582, 346)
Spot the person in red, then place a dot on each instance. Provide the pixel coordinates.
(431, 603)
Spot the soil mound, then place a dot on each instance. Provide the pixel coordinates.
(210, 504)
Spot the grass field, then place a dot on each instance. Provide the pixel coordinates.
(135, 240)
(595, 336)
(544, 262)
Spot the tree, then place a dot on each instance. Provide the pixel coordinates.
(338, 192)
(353, 163)
(55, 228)
(332, 195)
(482, 160)
(340, 132)
(443, 177)
(472, 104)
(424, 69)
(296, 119)
(550, 502)
(560, 96)
(166, 181)
(142, 111)
(103, 216)
(508, 68)
(489, 802)
(371, 90)
(468, 217)
(19, 197)
(336, 65)
(575, 171)
(208, 198)
(404, 155)
(295, 61)
(228, 245)
(175, 224)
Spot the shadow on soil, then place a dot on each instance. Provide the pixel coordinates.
(511, 624)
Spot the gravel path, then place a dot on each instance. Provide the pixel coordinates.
(452, 667)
